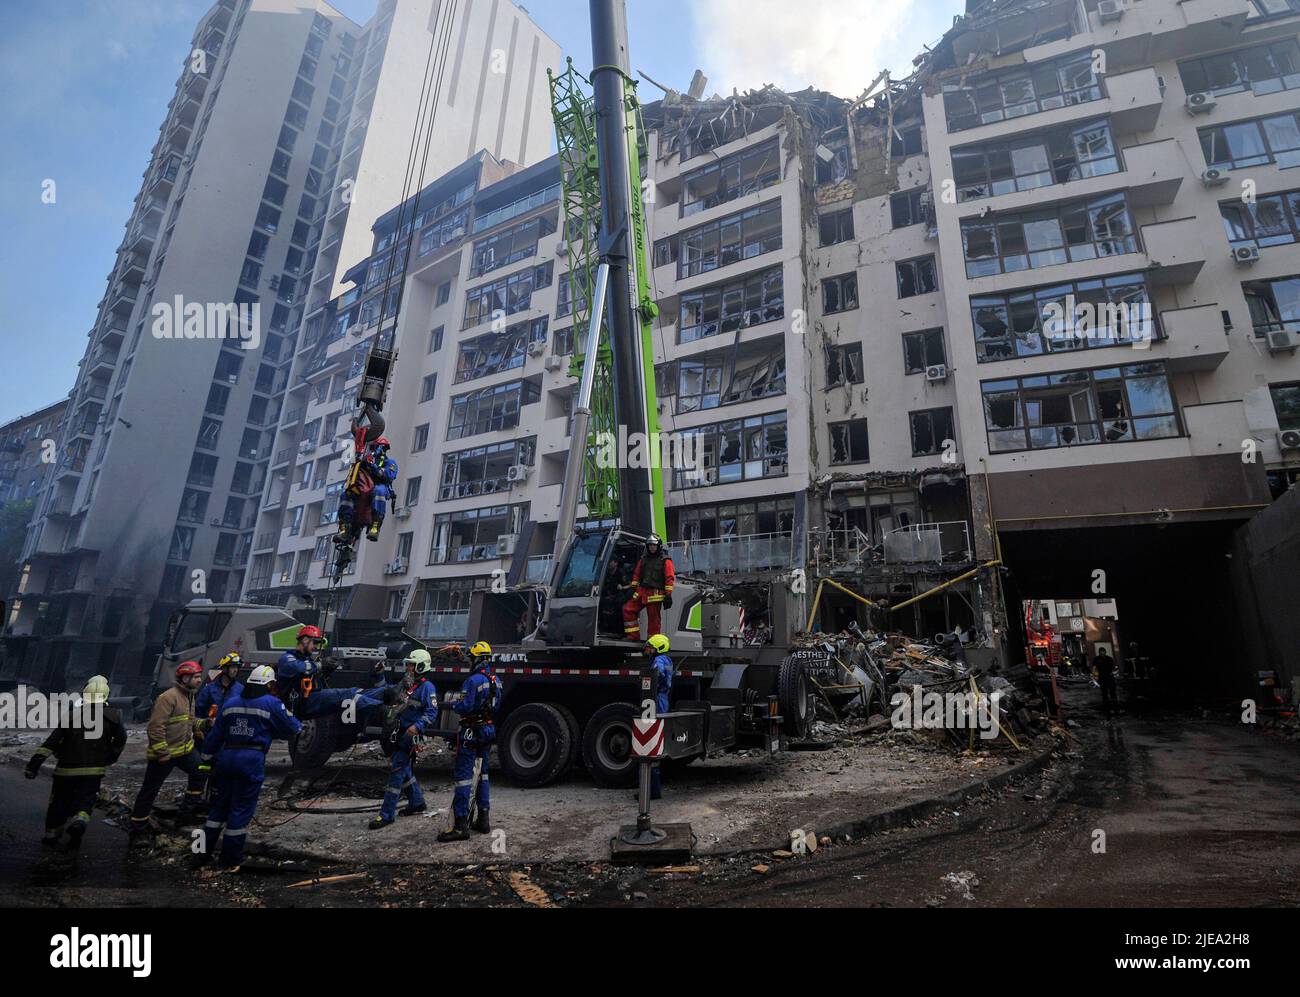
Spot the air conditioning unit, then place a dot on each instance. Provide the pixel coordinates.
(1289, 439)
(936, 372)
(932, 233)
(395, 566)
(1200, 103)
(1245, 255)
(518, 473)
(562, 249)
(402, 513)
(1110, 10)
(306, 447)
(536, 348)
(506, 544)
(274, 283)
(1214, 177)
(554, 363)
(1282, 341)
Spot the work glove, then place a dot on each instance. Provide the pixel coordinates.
(34, 766)
(668, 601)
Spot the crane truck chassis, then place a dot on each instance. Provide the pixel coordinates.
(560, 705)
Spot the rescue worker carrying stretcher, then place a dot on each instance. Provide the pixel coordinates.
(236, 751)
(652, 585)
(416, 710)
(85, 749)
(477, 705)
(369, 489)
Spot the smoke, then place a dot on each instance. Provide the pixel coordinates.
(835, 45)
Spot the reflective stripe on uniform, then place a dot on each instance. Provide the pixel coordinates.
(464, 782)
(92, 770)
(249, 711)
(236, 832)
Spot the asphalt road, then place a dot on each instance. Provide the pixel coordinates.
(1194, 812)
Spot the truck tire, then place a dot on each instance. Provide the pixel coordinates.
(607, 746)
(795, 697)
(535, 744)
(312, 746)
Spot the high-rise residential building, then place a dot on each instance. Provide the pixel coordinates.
(27, 451)
(288, 119)
(1025, 322)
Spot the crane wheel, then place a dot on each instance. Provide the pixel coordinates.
(536, 744)
(607, 746)
(796, 698)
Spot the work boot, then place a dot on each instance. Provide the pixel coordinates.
(481, 824)
(411, 809)
(372, 532)
(457, 832)
(377, 822)
(75, 832)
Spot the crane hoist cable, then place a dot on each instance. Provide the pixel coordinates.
(369, 423)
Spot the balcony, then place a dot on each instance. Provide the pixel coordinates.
(1146, 33)
(165, 176)
(731, 555)
(1194, 338)
(1175, 250)
(929, 543)
(122, 298)
(140, 240)
(438, 624)
(113, 333)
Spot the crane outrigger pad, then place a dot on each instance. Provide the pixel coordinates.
(676, 844)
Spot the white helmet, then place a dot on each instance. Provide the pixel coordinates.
(96, 690)
(421, 660)
(261, 675)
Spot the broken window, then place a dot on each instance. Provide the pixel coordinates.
(1072, 232)
(849, 442)
(1274, 304)
(835, 226)
(832, 165)
(490, 409)
(757, 379)
(840, 294)
(510, 295)
(498, 351)
(471, 535)
(998, 96)
(737, 237)
(738, 450)
(483, 470)
(1268, 221)
(916, 277)
(735, 519)
(930, 429)
(745, 172)
(909, 207)
(665, 252)
(923, 349)
(571, 295)
(511, 245)
(844, 365)
(906, 142)
(1286, 403)
(752, 300)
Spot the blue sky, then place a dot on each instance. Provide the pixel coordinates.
(86, 85)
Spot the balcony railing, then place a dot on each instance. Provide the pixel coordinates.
(438, 624)
(933, 543)
(749, 552)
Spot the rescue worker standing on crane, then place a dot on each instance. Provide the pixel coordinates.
(656, 648)
(418, 710)
(236, 749)
(85, 749)
(652, 585)
(171, 730)
(477, 704)
(369, 490)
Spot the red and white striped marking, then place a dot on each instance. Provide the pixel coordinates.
(647, 738)
(613, 672)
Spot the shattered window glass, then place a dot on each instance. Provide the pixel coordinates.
(849, 442)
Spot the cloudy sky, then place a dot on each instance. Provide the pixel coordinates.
(86, 85)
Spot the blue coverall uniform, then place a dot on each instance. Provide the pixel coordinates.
(419, 711)
(213, 695)
(382, 473)
(480, 696)
(291, 669)
(663, 666)
(236, 749)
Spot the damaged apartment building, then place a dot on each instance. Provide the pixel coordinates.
(853, 298)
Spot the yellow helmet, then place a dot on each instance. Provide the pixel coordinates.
(96, 690)
(481, 650)
(659, 642)
(232, 658)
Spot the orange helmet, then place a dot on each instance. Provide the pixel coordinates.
(187, 668)
(310, 631)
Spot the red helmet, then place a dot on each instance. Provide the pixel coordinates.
(382, 442)
(187, 668)
(310, 631)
